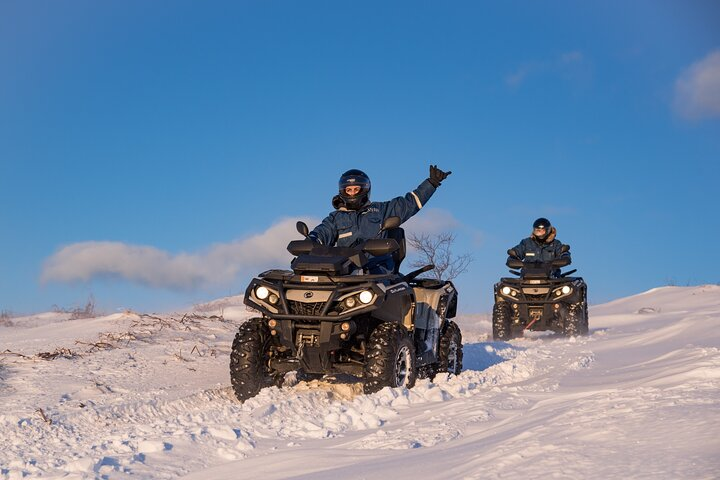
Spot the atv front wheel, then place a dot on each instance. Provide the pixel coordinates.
(249, 359)
(451, 349)
(502, 321)
(576, 320)
(389, 359)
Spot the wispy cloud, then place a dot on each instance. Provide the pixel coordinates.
(697, 90)
(556, 65)
(517, 77)
(572, 57)
(431, 221)
(220, 264)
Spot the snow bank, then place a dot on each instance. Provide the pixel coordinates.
(148, 396)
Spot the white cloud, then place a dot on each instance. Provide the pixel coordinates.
(431, 221)
(218, 265)
(555, 66)
(697, 90)
(517, 77)
(571, 57)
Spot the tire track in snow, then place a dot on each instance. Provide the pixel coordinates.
(130, 432)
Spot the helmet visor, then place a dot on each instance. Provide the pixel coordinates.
(353, 185)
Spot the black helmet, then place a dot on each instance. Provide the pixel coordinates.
(354, 178)
(542, 223)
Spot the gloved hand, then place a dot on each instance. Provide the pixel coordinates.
(437, 176)
(337, 202)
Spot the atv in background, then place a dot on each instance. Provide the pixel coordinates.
(330, 315)
(542, 298)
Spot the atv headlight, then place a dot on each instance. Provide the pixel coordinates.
(262, 292)
(508, 292)
(366, 296)
(350, 302)
(562, 291)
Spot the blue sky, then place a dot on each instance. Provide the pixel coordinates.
(156, 154)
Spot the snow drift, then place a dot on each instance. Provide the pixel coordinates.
(148, 396)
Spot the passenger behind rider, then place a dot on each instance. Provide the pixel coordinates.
(357, 219)
(541, 246)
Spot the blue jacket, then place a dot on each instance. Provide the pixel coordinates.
(532, 249)
(348, 228)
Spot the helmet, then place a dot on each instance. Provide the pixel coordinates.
(542, 223)
(354, 178)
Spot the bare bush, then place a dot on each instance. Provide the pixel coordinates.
(437, 250)
(58, 353)
(88, 311)
(6, 318)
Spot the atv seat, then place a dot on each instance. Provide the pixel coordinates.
(398, 234)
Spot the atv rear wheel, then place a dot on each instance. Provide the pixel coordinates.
(502, 321)
(389, 359)
(451, 349)
(249, 360)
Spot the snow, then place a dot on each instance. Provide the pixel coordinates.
(148, 396)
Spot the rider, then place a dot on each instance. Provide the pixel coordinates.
(541, 245)
(357, 219)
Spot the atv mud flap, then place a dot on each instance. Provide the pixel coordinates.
(427, 333)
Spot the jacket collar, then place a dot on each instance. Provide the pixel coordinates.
(548, 240)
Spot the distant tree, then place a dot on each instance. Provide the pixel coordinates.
(437, 250)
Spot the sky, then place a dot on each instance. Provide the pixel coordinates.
(156, 155)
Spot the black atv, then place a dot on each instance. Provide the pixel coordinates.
(329, 315)
(542, 298)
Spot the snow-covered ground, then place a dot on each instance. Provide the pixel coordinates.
(148, 396)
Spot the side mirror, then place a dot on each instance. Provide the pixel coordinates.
(380, 246)
(565, 248)
(302, 229)
(390, 223)
(511, 252)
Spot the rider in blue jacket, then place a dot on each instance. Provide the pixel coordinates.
(357, 219)
(541, 245)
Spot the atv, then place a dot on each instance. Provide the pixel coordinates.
(543, 298)
(330, 315)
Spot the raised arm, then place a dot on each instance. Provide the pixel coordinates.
(408, 205)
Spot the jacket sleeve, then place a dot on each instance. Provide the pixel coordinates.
(520, 249)
(407, 206)
(326, 232)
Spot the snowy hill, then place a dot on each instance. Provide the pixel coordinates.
(148, 396)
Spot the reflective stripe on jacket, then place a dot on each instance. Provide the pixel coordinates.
(347, 228)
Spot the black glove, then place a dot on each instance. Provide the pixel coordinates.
(437, 176)
(337, 202)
